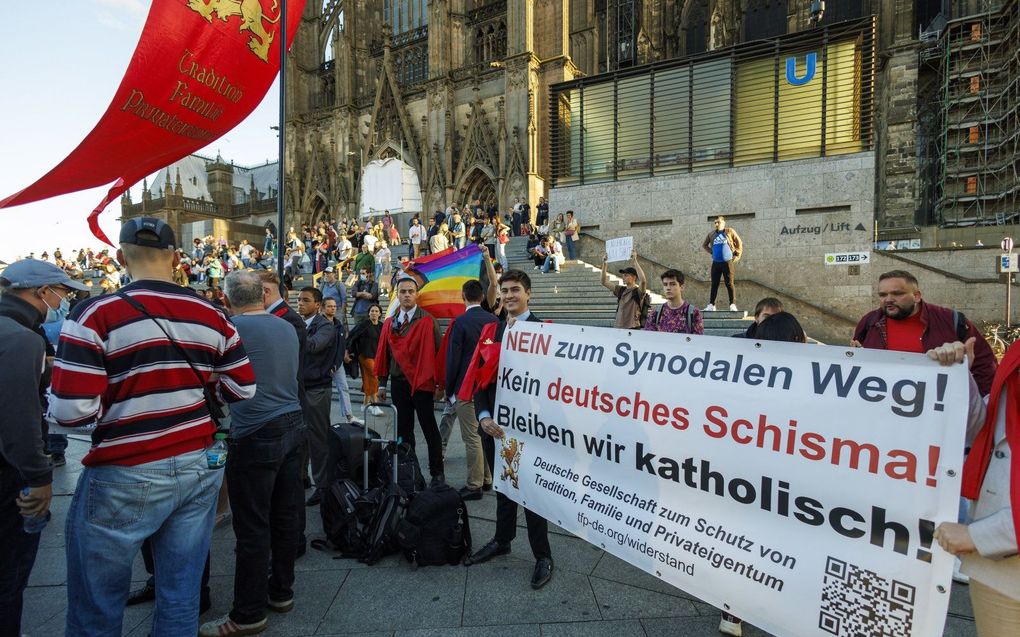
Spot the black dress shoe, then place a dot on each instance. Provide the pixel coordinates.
(487, 486)
(543, 572)
(315, 498)
(144, 594)
(487, 552)
(467, 493)
(437, 480)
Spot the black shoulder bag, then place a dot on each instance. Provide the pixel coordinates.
(215, 409)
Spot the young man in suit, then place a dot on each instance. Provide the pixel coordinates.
(317, 370)
(463, 338)
(515, 290)
(408, 345)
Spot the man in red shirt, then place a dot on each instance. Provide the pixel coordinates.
(904, 322)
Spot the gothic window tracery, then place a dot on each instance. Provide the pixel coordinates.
(406, 15)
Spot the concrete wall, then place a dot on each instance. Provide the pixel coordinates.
(981, 302)
(970, 263)
(789, 214)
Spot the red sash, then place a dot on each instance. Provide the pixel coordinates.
(484, 365)
(974, 469)
(414, 352)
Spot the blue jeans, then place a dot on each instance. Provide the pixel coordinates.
(550, 263)
(56, 443)
(113, 510)
(343, 391)
(571, 251)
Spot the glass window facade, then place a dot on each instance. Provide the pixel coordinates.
(803, 95)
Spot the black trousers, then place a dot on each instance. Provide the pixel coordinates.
(506, 512)
(17, 552)
(264, 484)
(408, 404)
(724, 270)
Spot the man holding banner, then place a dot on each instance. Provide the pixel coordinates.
(515, 290)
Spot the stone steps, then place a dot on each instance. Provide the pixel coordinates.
(575, 295)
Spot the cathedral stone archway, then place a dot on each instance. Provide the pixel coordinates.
(477, 184)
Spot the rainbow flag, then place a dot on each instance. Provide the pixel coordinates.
(440, 277)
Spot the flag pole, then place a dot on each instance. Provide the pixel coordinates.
(280, 199)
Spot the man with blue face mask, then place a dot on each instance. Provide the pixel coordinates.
(366, 294)
(31, 291)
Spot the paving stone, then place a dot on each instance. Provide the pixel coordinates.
(402, 598)
(959, 601)
(621, 601)
(501, 589)
(615, 628)
(514, 630)
(41, 604)
(959, 627)
(50, 568)
(692, 627)
(614, 569)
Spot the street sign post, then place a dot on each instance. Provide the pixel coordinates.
(1008, 263)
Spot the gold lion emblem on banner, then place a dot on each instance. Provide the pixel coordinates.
(253, 19)
(511, 453)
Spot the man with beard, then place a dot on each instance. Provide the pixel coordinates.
(904, 322)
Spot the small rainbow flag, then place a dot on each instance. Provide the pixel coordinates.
(440, 277)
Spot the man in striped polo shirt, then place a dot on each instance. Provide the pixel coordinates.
(146, 475)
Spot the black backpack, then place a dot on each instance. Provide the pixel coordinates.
(344, 531)
(435, 528)
(409, 476)
(386, 505)
(646, 307)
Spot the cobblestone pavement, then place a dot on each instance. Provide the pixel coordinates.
(592, 594)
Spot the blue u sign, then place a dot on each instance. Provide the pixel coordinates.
(809, 72)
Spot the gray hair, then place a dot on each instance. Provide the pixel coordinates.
(243, 288)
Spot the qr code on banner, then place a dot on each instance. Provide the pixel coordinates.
(860, 603)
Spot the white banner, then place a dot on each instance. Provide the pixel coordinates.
(796, 486)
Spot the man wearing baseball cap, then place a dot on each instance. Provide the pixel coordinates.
(630, 295)
(29, 291)
(122, 365)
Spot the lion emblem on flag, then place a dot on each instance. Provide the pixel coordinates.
(511, 453)
(253, 20)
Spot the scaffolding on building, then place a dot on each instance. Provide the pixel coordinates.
(971, 154)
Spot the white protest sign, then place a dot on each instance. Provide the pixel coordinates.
(796, 486)
(619, 249)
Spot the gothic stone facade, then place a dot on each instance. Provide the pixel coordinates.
(458, 89)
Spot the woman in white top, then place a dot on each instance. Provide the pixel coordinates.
(439, 241)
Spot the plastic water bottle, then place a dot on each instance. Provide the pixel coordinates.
(36, 523)
(216, 455)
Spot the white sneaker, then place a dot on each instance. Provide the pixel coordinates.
(733, 307)
(710, 307)
(958, 576)
(375, 411)
(730, 625)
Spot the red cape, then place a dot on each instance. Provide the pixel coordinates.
(414, 352)
(484, 364)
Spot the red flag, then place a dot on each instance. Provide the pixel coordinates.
(200, 67)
